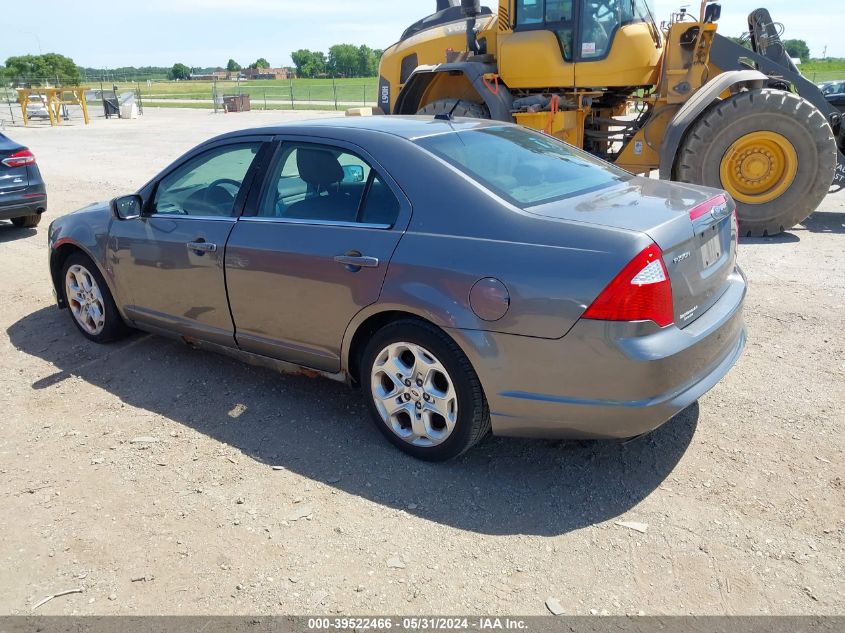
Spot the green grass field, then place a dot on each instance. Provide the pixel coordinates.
(346, 91)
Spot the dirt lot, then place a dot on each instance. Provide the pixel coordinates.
(264, 494)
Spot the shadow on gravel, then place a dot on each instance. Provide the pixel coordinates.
(321, 430)
(826, 222)
(780, 238)
(11, 233)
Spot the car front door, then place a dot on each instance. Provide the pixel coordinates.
(312, 250)
(170, 260)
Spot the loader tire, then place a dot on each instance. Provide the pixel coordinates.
(772, 150)
(458, 107)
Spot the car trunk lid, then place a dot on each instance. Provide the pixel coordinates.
(693, 226)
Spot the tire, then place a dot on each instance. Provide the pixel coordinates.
(451, 386)
(27, 221)
(457, 107)
(97, 293)
(797, 136)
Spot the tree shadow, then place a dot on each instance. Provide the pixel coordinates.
(320, 429)
(10, 233)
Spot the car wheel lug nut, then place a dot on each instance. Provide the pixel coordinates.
(419, 405)
(407, 397)
(426, 397)
(407, 383)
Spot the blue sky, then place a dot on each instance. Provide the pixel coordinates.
(111, 33)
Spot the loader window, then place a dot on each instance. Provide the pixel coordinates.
(550, 15)
(523, 167)
(600, 20)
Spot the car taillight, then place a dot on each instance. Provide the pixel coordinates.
(705, 207)
(19, 159)
(641, 292)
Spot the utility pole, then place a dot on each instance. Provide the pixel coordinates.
(824, 52)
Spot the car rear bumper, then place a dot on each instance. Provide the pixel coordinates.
(606, 379)
(18, 208)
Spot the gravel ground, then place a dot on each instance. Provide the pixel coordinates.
(161, 480)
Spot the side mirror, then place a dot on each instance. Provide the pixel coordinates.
(127, 207)
(353, 173)
(712, 13)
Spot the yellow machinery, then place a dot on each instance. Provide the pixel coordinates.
(53, 99)
(603, 76)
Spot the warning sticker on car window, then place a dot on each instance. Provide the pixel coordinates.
(588, 48)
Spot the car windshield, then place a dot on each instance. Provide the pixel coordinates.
(526, 168)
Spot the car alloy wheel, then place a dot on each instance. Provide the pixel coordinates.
(414, 394)
(85, 299)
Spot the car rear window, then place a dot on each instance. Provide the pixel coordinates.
(524, 167)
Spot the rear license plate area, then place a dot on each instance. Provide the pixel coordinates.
(712, 245)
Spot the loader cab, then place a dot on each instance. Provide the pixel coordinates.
(600, 43)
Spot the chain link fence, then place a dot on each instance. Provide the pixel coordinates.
(305, 94)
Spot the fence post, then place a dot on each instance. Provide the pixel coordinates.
(334, 88)
(292, 100)
(214, 94)
(11, 109)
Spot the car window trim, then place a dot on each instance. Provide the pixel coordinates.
(310, 222)
(243, 193)
(403, 220)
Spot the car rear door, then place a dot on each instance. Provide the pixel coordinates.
(169, 262)
(13, 173)
(311, 250)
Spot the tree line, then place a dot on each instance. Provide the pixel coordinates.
(343, 60)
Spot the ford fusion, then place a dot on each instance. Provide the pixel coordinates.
(465, 274)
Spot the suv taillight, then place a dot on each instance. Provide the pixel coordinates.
(641, 292)
(19, 159)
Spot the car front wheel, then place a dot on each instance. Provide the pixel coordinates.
(422, 391)
(89, 301)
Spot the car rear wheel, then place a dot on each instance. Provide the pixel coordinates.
(27, 221)
(90, 302)
(422, 391)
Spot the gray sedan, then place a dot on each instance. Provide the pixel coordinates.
(464, 274)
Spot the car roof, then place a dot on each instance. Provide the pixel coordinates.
(408, 127)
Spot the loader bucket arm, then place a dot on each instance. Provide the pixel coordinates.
(770, 57)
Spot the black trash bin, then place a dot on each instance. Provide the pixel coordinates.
(111, 107)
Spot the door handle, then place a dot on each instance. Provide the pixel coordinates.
(202, 247)
(354, 261)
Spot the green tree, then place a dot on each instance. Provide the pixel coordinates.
(309, 63)
(368, 60)
(797, 48)
(180, 71)
(48, 68)
(233, 66)
(344, 60)
(260, 63)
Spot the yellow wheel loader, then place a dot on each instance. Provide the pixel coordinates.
(604, 76)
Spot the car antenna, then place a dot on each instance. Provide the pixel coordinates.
(447, 116)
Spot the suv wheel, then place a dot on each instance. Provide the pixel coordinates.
(27, 221)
